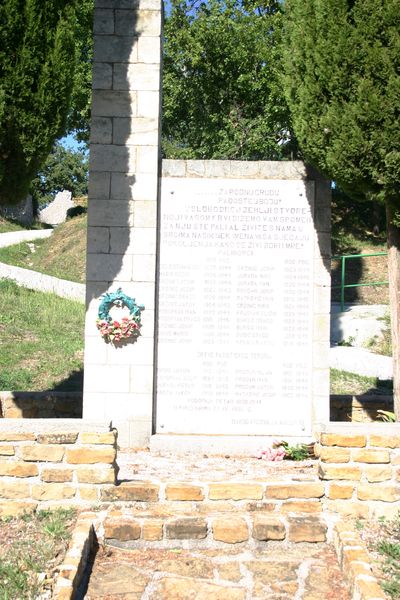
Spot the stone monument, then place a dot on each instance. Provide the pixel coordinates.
(229, 258)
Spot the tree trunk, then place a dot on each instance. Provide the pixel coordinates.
(393, 241)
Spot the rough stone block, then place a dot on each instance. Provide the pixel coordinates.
(343, 472)
(89, 494)
(306, 530)
(89, 456)
(14, 489)
(346, 441)
(301, 507)
(231, 530)
(53, 491)
(385, 492)
(123, 529)
(371, 456)
(333, 454)
(183, 491)
(348, 509)
(385, 441)
(338, 491)
(56, 475)
(6, 450)
(43, 453)
(57, 438)
(283, 491)
(18, 469)
(375, 474)
(141, 491)
(17, 437)
(186, 528)
(152, 530)
(16, 509)
(235, 491)
(89, 437)
(268, 528)
(368, 589)
(96, 474)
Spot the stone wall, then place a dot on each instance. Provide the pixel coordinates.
(46, 462)
(360, 465)
(40, 405)
(358, 409)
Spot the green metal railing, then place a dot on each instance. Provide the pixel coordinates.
(344, 285)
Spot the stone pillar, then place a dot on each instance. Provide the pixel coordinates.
(122, 214)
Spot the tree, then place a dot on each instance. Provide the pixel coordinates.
(37, 58)
(221, 96)
(341, 63)
(63, 170)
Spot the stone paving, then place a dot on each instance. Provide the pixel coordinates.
(278, 572)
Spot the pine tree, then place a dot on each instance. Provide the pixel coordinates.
(342, 82)
(36, 79)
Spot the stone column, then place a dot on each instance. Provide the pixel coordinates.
(122, 213)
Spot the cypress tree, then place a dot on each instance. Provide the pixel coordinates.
(36, 79)
(341, 79)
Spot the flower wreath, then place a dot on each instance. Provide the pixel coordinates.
(128, 327)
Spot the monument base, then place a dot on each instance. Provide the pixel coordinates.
(240, 445)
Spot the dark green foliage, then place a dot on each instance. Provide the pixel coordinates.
(63, 170)
(295, 452)
(37, 59)
(221, 96)
(342, 83)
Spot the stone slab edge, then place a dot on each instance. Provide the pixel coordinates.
(43, 283)
(10, 238)
(355, 563)
(52, 425)
(72, 571)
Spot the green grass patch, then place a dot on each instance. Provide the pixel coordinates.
(41, 337)
(388, 548)
(343, 382)
(32, 547)
(62, 255)
(7, 226)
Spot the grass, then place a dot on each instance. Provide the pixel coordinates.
(41, 338)
(62, 255)
(383, 540)
(343, 382)
(32, 548)
(7, 226)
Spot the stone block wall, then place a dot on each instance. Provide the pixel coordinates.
(122, 206)
(46, 462)
(40, 405)
(361, 467)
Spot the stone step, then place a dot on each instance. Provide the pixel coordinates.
(130, 527)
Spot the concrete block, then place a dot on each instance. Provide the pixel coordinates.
(134, 186)
(103, 21)
(130, 4)
(321, 328)
(115, 49)
(147, 159)
(148, 104)
(321, 355)
(98, 240)
(137, 353)
(139, 131)
(100, 130)
(217, 168)
(105, 157)
(99, 184)
(136, 76)
(139, 23)
(109, 267)
(243, 168)
(133, 241)
(149, 49)
(145, 213)
(107, 378)
(320, 383)
(175, 168)
(114, 103)
(94, 402)
(141, 379)
(101, 76)
(195, 168)
(143, 267)
(113, 214)
(95, 350)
